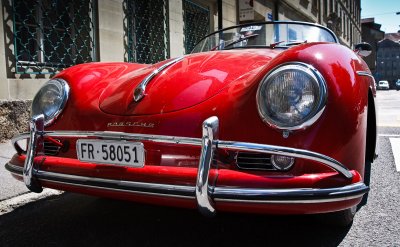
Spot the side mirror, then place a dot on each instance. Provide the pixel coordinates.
(363, 49)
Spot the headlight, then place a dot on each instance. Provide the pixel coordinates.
(292, 96)
(50, 100)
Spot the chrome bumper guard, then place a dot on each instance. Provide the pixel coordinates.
(204, 194)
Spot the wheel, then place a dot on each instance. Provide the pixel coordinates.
(342, 218)
(367, 180)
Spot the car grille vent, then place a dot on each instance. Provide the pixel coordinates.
(50, 148)
(258, 161)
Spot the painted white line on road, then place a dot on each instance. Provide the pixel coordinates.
(395, 142)
(9, 205)
(389, 135)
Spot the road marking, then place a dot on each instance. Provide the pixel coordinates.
(389, 135)
(395, 142)
(8, 205)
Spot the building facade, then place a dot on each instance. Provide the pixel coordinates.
(341, 16)
(39, 38)
(388, 59)
(372, 34)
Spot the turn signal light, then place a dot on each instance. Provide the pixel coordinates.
(282, 163)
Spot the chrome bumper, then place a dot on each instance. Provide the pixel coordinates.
(204, 194)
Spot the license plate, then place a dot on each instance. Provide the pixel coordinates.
(111, 152)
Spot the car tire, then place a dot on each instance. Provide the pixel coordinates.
(367, 181)
(343, 218)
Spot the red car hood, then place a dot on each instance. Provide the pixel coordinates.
(186, 83)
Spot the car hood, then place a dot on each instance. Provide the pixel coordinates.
(183, 84)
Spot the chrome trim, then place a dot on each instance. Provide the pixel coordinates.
(203, 191)
(210, 132)
(111, 135)
(274, 22)
(65, 92)
(365, 73)
(239, 146)
(120, 185)
(291, 152)
(315, 115)
(140, 90)
(297, 195)
(267, 165)
(218, 194)
(35, 145)
(180, 191)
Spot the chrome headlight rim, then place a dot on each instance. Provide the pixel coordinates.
(313, 116)
(65, 95)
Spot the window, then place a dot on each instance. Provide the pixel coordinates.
(146, 27)
(196, 23)
(51, 35)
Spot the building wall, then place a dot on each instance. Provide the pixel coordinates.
(371, 34)
(229, 13)
(342, 16)
(111, 30)
(177, 47)
(111, 48)
(388, 61)
(14, 88)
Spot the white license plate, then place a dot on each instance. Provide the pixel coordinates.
(111, 152)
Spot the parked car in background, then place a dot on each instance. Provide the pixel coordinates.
(398, 84)
(384, 85)
(273, 118)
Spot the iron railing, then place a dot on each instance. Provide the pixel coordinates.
(146, 27)
(196, 23)
(50, 35)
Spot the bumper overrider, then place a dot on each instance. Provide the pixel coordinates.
(204, 194)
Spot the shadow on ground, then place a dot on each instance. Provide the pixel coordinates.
(71, 220)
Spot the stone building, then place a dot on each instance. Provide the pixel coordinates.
(39, 38)
(341, 16)
(372, 34)
(388, 58)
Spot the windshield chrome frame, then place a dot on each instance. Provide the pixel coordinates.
(271, 22)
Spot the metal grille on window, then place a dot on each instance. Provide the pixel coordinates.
(50, 35)
(146, 30)
(196, 23)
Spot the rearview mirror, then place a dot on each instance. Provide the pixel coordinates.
(363, 49)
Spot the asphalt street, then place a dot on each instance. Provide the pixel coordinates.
(69, 219)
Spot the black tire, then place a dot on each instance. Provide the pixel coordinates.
(367, 180)
(342, 218)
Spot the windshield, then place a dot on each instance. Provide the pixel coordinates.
(268, 34)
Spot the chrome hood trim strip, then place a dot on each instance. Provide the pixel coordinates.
(140, 90)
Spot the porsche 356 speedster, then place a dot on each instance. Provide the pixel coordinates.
(275, 118)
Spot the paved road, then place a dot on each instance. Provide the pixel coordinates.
(71, 219)
(388, 102)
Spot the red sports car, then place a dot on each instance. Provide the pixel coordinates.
(274, 117)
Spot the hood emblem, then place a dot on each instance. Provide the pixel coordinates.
(131, 124)
(139, 91)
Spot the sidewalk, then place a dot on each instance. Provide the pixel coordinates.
(10, 187)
